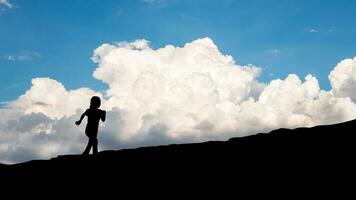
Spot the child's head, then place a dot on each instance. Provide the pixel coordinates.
(95, 102)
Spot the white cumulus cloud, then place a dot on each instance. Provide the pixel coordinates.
(343, 79)
(170, 95)
(49, 97)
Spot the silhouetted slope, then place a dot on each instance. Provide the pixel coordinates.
(321, 152)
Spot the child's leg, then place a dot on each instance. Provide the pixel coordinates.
(95, 145)
(87, 149)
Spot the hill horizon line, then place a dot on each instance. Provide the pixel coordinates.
(187, 143)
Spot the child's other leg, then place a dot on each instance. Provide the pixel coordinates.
(95, 145)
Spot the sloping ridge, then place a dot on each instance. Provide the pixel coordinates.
(319, 150)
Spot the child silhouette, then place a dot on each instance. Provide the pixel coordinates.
(94, 115)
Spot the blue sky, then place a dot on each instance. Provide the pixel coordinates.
(45, 38)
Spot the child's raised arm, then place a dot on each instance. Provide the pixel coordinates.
(81, 118)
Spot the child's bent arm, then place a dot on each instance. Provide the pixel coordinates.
(103, 115)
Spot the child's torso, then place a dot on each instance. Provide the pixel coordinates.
(94, 116)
